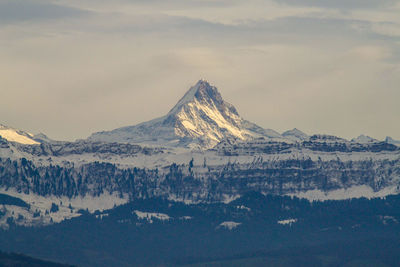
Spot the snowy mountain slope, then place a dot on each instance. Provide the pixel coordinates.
(390, 140)
(364, 139)
(14, 135)
(42, 138)
(295, 135)
(43, 210)
(201, 118)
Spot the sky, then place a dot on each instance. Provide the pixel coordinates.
(69, 68)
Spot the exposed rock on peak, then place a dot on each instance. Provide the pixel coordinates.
(200, 118)
(203, 92)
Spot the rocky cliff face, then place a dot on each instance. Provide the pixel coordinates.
(196, 181)
(57, 192)
(322, 163)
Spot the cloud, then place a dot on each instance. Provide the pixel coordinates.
(30, 10)
(341, 4)
(283, 66)
(387, 29)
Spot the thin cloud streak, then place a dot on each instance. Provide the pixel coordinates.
(31, 10)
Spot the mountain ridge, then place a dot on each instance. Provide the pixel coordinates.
(201, 119)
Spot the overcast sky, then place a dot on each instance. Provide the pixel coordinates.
(69, 68)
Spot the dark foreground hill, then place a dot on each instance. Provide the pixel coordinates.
(19, 260)
(249, 231)
(363, 253)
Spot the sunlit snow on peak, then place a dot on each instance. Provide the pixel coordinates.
(13, 135)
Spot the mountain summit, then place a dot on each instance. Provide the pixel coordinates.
(200, 118)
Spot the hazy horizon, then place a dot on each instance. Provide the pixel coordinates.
(71, 68)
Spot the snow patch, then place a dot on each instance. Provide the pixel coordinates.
(101, 216)
(229, 198)
(348, 193)
(175, 198)
(229, 225)
(149, 216)
(243, 208)
(386, 219)
(67, 208)
(287, 221)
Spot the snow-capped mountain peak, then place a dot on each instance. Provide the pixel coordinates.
(296, 135)
(390, 140)
(15, 135)
(202, 91)
(364, 139)
(202, 113)
(200, 118)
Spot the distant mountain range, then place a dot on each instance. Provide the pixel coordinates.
(201, 119)
(202, 137)
(201, 161)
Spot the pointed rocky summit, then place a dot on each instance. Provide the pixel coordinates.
(200, 118)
